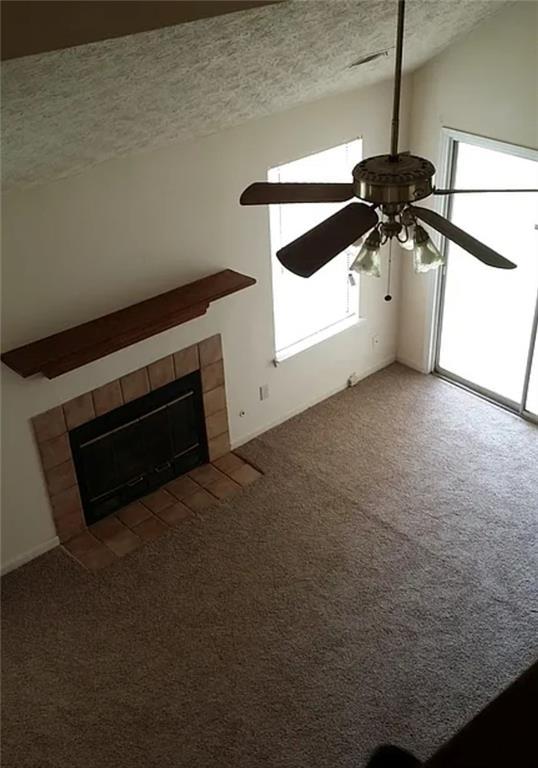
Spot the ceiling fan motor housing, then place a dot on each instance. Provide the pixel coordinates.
(393, 181)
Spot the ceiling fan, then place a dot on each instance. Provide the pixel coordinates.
(390, 184)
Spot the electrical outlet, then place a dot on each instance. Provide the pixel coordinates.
(264, 391)
(375, 341)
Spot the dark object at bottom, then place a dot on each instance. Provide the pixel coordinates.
(502, 735)
(388, 756)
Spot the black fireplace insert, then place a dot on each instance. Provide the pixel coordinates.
(138, 447)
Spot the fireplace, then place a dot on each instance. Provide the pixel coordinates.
(136, 448)
(121, 441)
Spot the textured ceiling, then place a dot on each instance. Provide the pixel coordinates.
(67, 110)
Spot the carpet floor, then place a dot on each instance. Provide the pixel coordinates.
(377, 584)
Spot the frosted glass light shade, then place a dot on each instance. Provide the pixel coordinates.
(368, 261)
(425, 254)
(409, 244)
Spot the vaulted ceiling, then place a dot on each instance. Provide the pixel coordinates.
(69, 109)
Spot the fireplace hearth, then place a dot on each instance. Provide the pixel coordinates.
(136, 448)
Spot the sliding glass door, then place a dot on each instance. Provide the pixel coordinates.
(487, 317)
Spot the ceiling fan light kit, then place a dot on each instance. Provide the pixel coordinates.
(368, 260)
(387, 185)
(425, 255)
(407, 242)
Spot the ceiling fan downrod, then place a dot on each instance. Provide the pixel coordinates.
(397, 82)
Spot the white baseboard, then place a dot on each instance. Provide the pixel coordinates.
(30, 555)
(296, 411)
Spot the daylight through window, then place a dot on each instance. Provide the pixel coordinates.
(309, 310)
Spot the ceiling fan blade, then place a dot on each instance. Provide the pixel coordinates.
(317, 247)
(263, 193)
(477, 191)
(477, 249)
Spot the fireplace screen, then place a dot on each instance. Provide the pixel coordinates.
(134, 449)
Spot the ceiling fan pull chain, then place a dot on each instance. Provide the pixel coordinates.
(388, 295)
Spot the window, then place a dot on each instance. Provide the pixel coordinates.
(307, 311)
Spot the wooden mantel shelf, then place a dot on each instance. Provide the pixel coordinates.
(70, 349)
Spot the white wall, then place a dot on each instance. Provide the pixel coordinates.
(487, 84)
(130, 228)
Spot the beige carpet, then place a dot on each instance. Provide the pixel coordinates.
(377, 584)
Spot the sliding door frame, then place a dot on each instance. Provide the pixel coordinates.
(533, 350)
(450, 139)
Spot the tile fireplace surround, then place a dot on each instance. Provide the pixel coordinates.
(51, 428)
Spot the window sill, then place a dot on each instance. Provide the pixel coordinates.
(317, 338)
